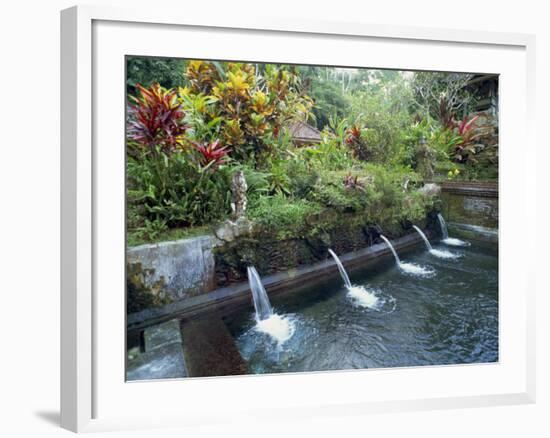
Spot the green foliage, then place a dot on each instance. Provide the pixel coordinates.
(287, 217)
(442, 95)
(169, 191)
(303, 176)
(382, 117)
(392, 204)
(243, 109)
(193, 124)
(329, 101)
(146, 71)
(155, 120)
(331, 192)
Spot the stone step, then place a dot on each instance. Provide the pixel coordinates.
(162, 334)
(163, 356)
(209, 348)
(165, 362)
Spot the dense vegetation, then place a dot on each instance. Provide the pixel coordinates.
(192, 124)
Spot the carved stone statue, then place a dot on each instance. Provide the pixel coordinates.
(230, 230)
(425, 158)
(238, 194)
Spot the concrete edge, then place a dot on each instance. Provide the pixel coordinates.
(474, 232)
(299, 278)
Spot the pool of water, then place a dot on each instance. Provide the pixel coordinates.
(448, 317)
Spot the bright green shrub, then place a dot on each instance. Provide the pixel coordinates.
(175, 191)
(283, 216)
(331, 192)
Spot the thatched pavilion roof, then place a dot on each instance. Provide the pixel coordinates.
(303, 133)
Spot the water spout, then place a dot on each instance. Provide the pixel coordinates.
(259, 295)
(442, 254)
(426, 241)
(451, 241)
(343, 272)
(409, 268)
(443, 225)
(359, 294)
(279, 327)
(392, 249)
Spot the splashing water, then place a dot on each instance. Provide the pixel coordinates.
(371, 299)
(451, 241)
(418, 270)
(359, 294)
(279, 327)
(409, 268)
(442, 254)
(362, 296)
(343, 272)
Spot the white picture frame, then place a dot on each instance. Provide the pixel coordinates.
(87, 401)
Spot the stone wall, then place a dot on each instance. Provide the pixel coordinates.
(470, 203)
(270, 255)
(228, 300)
(164, 273)
(172, 270)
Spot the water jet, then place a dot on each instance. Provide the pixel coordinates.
(451, 241)
(408, 268)
(442, 254)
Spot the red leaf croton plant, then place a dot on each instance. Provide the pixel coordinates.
(465, 148)
(353, 134)
(212, 154)
(465, 126)
(156, 119)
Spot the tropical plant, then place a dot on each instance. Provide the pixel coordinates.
(156, 120)
(352, 182)
(203, 76)
(279, 181)
(212, 155)
(329, 101)
(329, 154)
(147, 70)
(287, 217)
(465, 149)
(244, 109)
(175, 191)
(186, 140)
(382, 111)
(441, 95)
(360, 141)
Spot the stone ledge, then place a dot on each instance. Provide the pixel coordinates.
(184, 267)
(482, 189)
(474, 232)
(224, 299)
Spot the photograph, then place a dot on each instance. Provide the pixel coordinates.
(241, 219)
(289, 218)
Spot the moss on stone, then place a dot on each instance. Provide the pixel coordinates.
(270, 253)
(474, 210)
(140, 296)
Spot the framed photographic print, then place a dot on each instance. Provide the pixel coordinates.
(313, 218)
